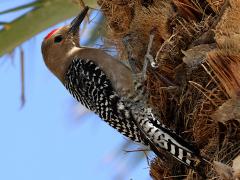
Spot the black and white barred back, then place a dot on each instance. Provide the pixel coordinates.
(90, 86)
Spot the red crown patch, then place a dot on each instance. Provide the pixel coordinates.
(50, 34)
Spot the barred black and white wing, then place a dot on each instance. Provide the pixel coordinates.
(90, 86)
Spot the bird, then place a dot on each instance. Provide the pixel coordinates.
(107, 87)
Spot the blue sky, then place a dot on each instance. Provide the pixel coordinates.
(48, 139)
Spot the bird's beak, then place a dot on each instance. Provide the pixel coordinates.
(74, 26)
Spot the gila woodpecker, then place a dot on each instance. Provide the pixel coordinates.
(106, 86)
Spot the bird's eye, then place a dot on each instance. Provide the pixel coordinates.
(58, 39)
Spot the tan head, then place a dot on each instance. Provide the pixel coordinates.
(57, 45)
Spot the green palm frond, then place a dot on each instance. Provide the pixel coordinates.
(47, 14)
(29, 5)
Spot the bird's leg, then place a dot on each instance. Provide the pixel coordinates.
(138, 101)
(148, 57)
(140, 78)
(139, 95)
(137, 76)
(128, 47)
